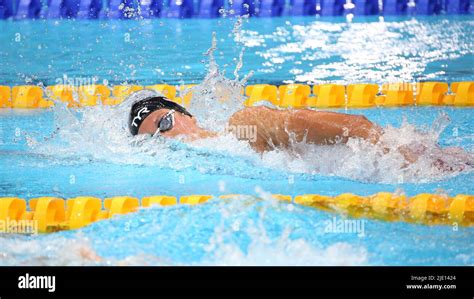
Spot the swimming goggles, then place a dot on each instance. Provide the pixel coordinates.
(165, 123)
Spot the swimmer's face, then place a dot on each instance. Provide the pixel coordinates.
(183, 124)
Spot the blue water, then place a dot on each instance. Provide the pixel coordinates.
(305, 49)
(245, 231)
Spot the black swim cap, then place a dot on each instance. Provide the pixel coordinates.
(141, 109)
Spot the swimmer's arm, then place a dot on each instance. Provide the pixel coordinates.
(261, 121)
(274, 127)
(321, 127)
(331, 127)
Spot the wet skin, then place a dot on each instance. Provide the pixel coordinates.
(277, 128)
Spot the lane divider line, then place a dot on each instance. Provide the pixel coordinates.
(51, 214)
(459, 94)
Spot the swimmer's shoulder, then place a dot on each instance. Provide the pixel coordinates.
(251, 113)
(254, 110)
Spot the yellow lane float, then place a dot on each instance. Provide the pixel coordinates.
(261, 92)
(431, 93)
(396, 94)
(29, 97)
(120, 205)
(5, 97)
(82, 211)
(120, 92)
(167, 90)
(91, 95)
(464, 93)
(361, 95)
(12, 208)
(292, 95)
(329, 95)
(194, 199)
(162, 200)
(50, 214)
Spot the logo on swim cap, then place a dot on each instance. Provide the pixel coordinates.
(139, 117)
(141, 109)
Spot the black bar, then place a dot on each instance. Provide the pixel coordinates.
(140, 282)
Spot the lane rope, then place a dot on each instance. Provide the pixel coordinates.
(51, 214)
(291, 95)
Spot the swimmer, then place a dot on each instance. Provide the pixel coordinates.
(156, 115)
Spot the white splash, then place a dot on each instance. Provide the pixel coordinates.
(101, 133)
(265, 251)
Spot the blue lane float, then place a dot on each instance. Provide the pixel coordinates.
(70, 8)
(54, 10)
(243, 7)
(150, 8)
(457, 6)
(271, 8)
(210, 8)
(178, 9)
(428, 7)
(332, 7)
(113, 9)
(27, 9)
(394, 7)
(302, 7)
(88, 9)
(121, 9)
(6, 9)
(365, 7)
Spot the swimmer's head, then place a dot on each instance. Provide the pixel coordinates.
(146, 103)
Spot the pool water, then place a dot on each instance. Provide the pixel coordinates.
(302, 49)
(91, 154)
